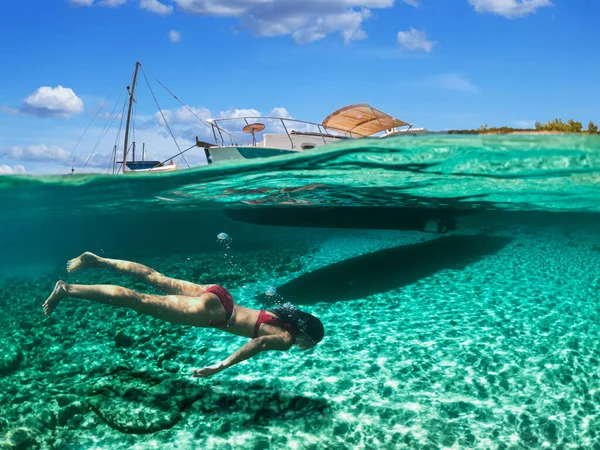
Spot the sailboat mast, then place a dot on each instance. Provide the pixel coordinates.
(137, 65)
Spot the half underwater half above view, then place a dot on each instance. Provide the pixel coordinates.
(410, 292)
(299, 225)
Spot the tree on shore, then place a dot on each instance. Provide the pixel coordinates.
(571, 126)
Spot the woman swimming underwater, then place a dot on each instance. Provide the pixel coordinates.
(185, 303)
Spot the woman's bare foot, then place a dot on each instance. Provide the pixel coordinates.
(59, 292)
(85, 261)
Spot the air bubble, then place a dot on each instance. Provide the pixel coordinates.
(224, 240)
(271, 292)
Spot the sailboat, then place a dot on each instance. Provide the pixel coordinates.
(123, 160)
(140, 165)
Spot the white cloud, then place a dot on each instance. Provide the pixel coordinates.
(109, 116)
(415, 40)
(111, 3)
(95, 160)
(306, 21)
(235, 113)
(15, 170)
(182, 116)
(174, 36)
(450, 81)
(280, 112)
(348, 24)
(52, 102)
(272, 125)
(187, 123)
(8, 110)
(275, 126)
(190, 115)
(108, 3)
(36, 153)
(81, 2)
(156, 7)
(509, 8)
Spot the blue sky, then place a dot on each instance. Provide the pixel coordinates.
(438, 64)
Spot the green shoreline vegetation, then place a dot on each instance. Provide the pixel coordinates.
(553, 126)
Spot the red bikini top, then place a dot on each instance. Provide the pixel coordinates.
(263, 317)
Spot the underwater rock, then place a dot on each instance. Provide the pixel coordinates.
(22, 439)
(123, 339)
(65, 399)
(33, 423)
(170, 366)
(11, 357)
(67, 370)
(26, 325)
(71, 410)
(47, 418)
(262, 444)
(237, 406)
(142, 402)
(168, 355)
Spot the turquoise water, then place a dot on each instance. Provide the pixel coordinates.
(484, 336)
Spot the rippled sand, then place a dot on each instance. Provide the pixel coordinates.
(465, 342)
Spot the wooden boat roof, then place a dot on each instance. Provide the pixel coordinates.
(361, 119)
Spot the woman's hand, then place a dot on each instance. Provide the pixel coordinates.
(282, 341)
(208, 371)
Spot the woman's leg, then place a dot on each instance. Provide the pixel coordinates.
(172, 308)
(138, 271)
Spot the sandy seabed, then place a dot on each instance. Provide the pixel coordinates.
(461, 342)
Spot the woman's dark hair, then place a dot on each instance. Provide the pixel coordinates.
(303, 322)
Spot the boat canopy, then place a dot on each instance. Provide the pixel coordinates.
(361, 119)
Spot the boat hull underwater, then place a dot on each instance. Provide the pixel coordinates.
(407, 219)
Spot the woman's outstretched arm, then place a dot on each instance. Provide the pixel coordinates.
(281, 342)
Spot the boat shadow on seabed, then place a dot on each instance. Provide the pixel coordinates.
(387, 269)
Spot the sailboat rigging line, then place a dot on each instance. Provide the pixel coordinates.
(184, 105)
(104, 131)
(180, 153)
(111, 163)
(107, 126)
(118, 137)
(113, 160)
(210, 127)
(133, 121)
(98, 143)
(89, 124)
(163, 116)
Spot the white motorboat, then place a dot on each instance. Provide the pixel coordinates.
(264, 137)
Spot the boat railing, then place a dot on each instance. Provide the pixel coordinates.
(219, 132)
